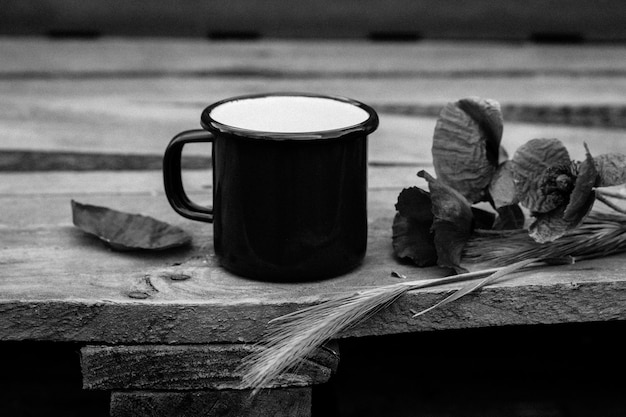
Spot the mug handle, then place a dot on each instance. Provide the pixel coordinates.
(172, 176)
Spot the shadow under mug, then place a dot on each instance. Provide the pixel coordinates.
(289, 183)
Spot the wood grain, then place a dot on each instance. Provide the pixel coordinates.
(60, 284)
(140, 126)
(290, 402)
(33, 58)
(126, 98)
(188, 367)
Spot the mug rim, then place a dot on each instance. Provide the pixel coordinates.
(363, 128)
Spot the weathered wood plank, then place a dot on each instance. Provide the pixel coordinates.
(70, 183)
(172, 98)
(188, 367)
(36, 58)
(120, 182)
(122, 97)
(591, 291)
(512, 19)
(59, 284)
(43, 199)
(138, 126)
(289, 402)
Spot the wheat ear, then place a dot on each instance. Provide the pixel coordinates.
(601, 234)
(294, 336)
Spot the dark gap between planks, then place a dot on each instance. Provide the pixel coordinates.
(541, 37)
(36, 161)
(307, 74)
(29, 161)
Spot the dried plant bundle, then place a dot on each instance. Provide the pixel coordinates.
(601, 234)
(294, 336)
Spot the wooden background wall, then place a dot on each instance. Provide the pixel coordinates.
(520, 20)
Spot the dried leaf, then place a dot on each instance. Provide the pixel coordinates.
(542, 175)
(412, 238)
(466, 145)
(123, 231)
(612, 169)
(549, 226)
(503, 156)
(502, 186)
(582, 196)
(509, 218)
(482, 219)
(553, 225)
(488, 115)
(452, 223)
(600, 234)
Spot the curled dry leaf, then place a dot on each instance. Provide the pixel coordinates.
(452, 223)
(504, 198)
(466, 145)
(553, 225)
(543, 176)
(549, 226)
(412, 238)
(509, 218)
(611, 168)
(502, 186)
(583, 196)
(123, 231)
(413, 231)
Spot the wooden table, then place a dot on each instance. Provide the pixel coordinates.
(89, 120)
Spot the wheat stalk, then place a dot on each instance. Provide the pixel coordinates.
(601, 234)
(294, 336)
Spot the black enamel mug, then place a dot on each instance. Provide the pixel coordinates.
(289, 183)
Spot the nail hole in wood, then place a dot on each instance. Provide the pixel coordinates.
(138, 295)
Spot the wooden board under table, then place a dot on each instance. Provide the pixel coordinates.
(89, 120)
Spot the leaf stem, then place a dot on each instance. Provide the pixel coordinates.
(602, 195)
(449, 280)
(498, 273)
(611, 193)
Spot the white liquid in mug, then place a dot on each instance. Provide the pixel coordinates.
(289, 114)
